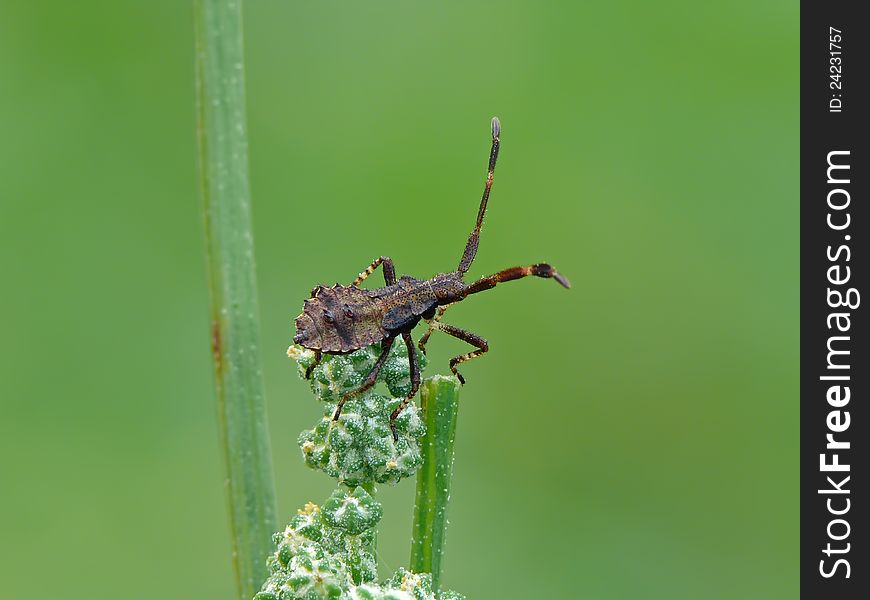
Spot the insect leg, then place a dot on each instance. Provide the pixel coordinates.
(317, 356)
(474, 239)
(371, 378)
(465, 336)
(389, 271)
(423, 340)
(538, 270)
(415, 382)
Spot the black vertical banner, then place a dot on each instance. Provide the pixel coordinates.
(835, 373)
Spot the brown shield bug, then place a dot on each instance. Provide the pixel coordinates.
(342, 319)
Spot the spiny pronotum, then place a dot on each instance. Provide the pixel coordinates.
(342, 319)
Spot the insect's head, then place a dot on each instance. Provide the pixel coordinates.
(448, 287)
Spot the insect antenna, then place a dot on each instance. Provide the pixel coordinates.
(474, 238)
(538, 270)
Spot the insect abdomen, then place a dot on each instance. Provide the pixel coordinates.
(339, 319)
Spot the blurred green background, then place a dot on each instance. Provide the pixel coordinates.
(636, 437)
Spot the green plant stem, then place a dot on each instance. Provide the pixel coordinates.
(369, 486)
(440, 398)
(223, 153)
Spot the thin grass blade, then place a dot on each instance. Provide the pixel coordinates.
(223, 152)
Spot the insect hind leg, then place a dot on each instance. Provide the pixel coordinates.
(415, 382)
(389, 271)
(370, 379)
(317, 356)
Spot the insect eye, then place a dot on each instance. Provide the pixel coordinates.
(327, 316)
(348, 311)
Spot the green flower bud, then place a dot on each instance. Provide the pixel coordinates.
(360, 447)
(406, 585)
(325, 553)
(353, 513)
(366, 592)
(397, 370)
(314, 575)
